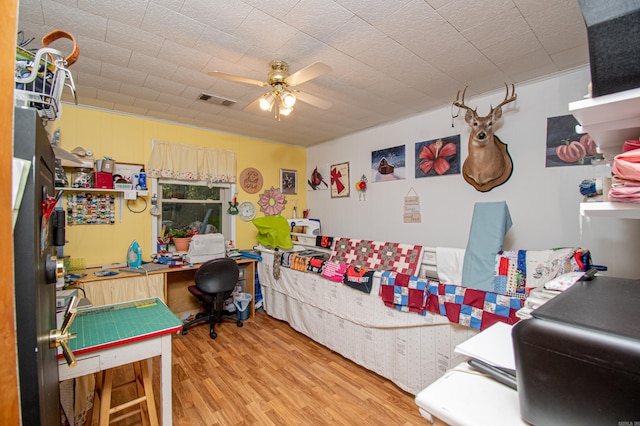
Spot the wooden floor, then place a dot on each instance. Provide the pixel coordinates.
(266, 373)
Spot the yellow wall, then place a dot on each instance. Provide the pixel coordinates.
(127, 139)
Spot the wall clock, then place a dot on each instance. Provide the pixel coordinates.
(246, 211)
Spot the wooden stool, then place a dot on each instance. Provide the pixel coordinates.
(144, 389)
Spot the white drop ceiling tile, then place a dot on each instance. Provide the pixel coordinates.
(98, 103)
(384, 55)
(83, 93)
(530, 7)
(524, 43)
(225, 15)
(177, 111)
(303, 48)
(161, 115)
(463, 14)
(510, 23)
(567, 38)
(87, 65)
(162, 85)
(130, 109)
(317, 17)
(535, 60)
(150, 65)
(412, 20)
(142, 93)
(375, 12)
(86, 79)
(127, 11)
(174, 5)
(102, 51)
(133, 38)
(224, 46)
(115, 97)
(30, 11)
(273, 34)
(354, 36)
(559, 28)
(436, 4)
(190, 77)
(169, 24)
(151, 105)
(185, 56)
(437, 40)
(571, 58)
(116, 72)
(57, 15)
(273, 7)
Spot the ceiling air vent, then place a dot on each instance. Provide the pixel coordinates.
(215, 99)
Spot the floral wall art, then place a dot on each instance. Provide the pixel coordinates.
(438, 157)
(388, 164)
(565, 147)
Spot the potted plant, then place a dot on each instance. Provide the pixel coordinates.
(180, 239)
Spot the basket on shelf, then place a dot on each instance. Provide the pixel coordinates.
(40, 77)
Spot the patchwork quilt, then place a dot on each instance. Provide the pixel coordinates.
(402, 292)
(517, 272)
(376, 255)
(470, 307)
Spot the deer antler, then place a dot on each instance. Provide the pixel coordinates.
(507, 98)
(460, 102)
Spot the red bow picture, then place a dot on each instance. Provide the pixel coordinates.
(335, 180)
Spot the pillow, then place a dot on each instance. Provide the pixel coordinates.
(273, 231)
(490, 223)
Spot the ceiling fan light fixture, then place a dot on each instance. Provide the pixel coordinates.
(288, 99)
(266, 101)
(285, 110)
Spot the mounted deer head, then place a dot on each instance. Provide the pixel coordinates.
(488, 163)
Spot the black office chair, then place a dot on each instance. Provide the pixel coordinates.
(215, 281)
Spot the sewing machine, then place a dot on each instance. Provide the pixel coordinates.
(304, 231)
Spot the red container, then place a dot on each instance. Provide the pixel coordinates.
(103, 180)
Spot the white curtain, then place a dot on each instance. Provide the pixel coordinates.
(190, 162)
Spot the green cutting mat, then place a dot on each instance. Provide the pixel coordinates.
(105, 325)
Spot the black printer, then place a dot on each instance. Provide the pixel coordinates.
(578, 357)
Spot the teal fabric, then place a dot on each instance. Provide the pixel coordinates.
(273, 231)
(489, 225)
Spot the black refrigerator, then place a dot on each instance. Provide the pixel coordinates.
(35, 274)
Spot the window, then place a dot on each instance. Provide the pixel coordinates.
(187, 205)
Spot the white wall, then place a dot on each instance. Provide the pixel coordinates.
(544, 202)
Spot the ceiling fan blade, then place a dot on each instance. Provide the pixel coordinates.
(238, 78)
(312, 100)
(308, 73)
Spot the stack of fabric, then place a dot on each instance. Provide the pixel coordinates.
(626, 177)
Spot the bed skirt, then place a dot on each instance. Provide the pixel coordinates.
(409, 349)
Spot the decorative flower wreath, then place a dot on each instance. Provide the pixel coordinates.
(272, 202)
(361, 187)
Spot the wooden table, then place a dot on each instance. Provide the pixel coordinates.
(175, 282)
(113, 335)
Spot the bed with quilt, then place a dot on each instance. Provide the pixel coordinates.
(400, 309)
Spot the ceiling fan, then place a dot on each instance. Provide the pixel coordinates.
(282, 98)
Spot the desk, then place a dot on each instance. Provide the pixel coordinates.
(113, 335)
(170, 285)
(463, 396)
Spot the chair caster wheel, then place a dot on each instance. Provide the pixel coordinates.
(185, 332)
(239, 323)
(213, 335)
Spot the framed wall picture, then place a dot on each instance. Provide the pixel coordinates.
(288, 181)
(340, 180)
